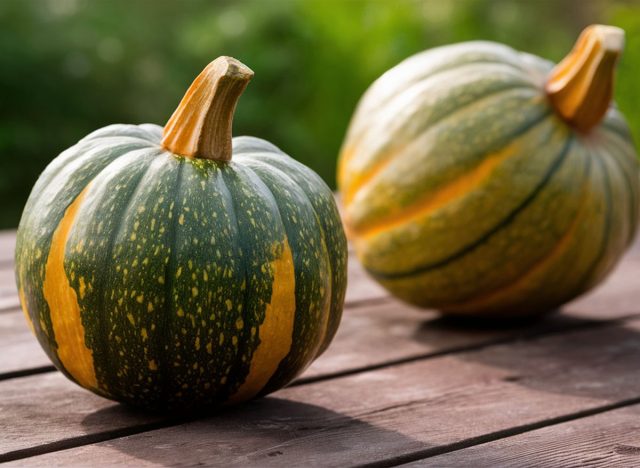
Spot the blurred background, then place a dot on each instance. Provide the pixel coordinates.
(68, 67)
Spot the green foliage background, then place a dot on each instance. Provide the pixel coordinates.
(68, 67)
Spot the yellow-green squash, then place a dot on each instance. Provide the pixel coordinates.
(481, 180)
(180, 268)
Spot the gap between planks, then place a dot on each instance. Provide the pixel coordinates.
(606, 439)
(424, 455)
(488, 396)
(552, 328)
(413, 458)
(381, 332)
(108, 435)
(88, 439)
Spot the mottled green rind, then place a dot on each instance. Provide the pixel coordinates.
(435, 118)
(62, 181)
(313, 223)
(181, 249)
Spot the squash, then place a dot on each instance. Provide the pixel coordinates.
(182, 269)
(481, 180)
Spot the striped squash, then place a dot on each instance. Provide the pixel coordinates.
(480, 180)
(157, 271)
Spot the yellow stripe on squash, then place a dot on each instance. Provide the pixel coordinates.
(276, 331)
(448, 193)
(64, 309)
(359, 180)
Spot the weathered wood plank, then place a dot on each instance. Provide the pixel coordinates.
(20, 351)
(7, 246)
(8, 302)
(383, 331)
(8, 292)
(619, 292)
(371, 336)
(49, 403)
(608, 439)
(428, 331)
(360, 286)
(391, 331)
(368, 336)
(403, 412)
(379, 331)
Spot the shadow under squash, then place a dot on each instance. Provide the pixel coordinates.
(555, 353)
(265, 432)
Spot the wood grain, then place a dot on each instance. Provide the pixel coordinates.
(361, 288)
(51, 408)
(608, 439)
(381, 331)
(390, 332)
(19, 349)
(370, 336)
(398, 384)
(388, 415)
(8, 291)
(22, 354)
(7, 247)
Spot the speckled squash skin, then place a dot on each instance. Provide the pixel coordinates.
(176, 283)
(464, 191)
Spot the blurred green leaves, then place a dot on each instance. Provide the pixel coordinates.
(68, 67)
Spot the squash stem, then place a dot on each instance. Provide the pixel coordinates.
(580, 87)
(201, 125)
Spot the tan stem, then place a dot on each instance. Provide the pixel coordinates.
(580, 87)
(201, 125)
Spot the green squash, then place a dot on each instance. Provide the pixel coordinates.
(182, 269)
(481, 180)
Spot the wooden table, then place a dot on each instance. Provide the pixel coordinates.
(398, 385)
